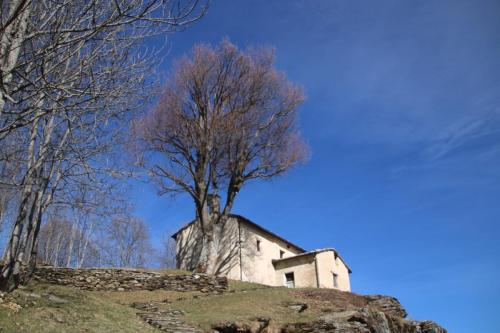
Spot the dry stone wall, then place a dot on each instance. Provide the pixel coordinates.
(127, 279)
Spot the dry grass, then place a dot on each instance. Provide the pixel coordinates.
(249, 301)
(244, 307)
(82, 312)
(236, 285)
(329, 299)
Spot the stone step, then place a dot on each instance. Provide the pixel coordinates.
(167, 321)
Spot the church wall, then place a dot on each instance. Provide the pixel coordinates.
(257, 262)
(328, 265)
(189, 243)
(303, 269)
(258, 250)
(229, 249)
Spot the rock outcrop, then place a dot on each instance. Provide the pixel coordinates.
(365, 314)
(363, 320)
(125, 279)
(387, 304)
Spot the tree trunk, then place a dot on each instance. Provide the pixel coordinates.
(58, 246)
(9, 278)
(70, 246)
(82, 249)
(12, 39)
(212, 256)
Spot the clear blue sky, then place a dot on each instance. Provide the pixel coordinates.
(403, 120)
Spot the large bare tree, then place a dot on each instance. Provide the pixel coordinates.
(226, 116)
(71, 73)
(42, 39)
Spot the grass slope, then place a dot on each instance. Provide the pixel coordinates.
(249, 301)
(58, 309)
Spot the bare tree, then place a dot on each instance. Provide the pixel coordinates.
(70, 74)
(126, 243)
(10, 165)
(38, 37)
(92, 231)
(226, 117)
(54, 239)
(86, 251)
(63, 243)
(166, 252)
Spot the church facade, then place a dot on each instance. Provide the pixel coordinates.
(254, 254)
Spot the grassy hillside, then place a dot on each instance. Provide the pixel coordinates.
(248, 302)
(49, 308)
(56, 309)
(40, 308)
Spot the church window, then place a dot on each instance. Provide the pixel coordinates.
(289, 280)
(335, 280)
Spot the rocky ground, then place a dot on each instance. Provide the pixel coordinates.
(356, 314)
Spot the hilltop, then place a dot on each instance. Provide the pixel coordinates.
(106, 300)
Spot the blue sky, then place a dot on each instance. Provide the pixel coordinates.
(403, 120)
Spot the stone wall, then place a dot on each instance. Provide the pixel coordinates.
(127, 279)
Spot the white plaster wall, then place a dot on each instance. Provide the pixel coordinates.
(327, 265)
(303, 268)
(257, 265)
(189, 243)
(229, 248)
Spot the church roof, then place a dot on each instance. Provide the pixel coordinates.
(313, 252)
(251, 223)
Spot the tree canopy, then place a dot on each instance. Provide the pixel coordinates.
(225, 116)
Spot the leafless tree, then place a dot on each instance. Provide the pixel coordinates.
(10, 153)
(226, 117)
(166, 252)
(70, 74)
(62, 243)
(54, 239)
(126, 243)
(38, 38)
(93, 234)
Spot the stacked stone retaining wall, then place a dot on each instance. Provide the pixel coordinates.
(128, 279)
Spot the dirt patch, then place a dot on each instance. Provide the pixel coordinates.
(334, 298)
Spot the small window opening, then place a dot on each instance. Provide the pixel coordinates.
(258, 245)
(282, 253)
(335, 280)
(289, 280)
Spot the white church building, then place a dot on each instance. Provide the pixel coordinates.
(255, 254)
